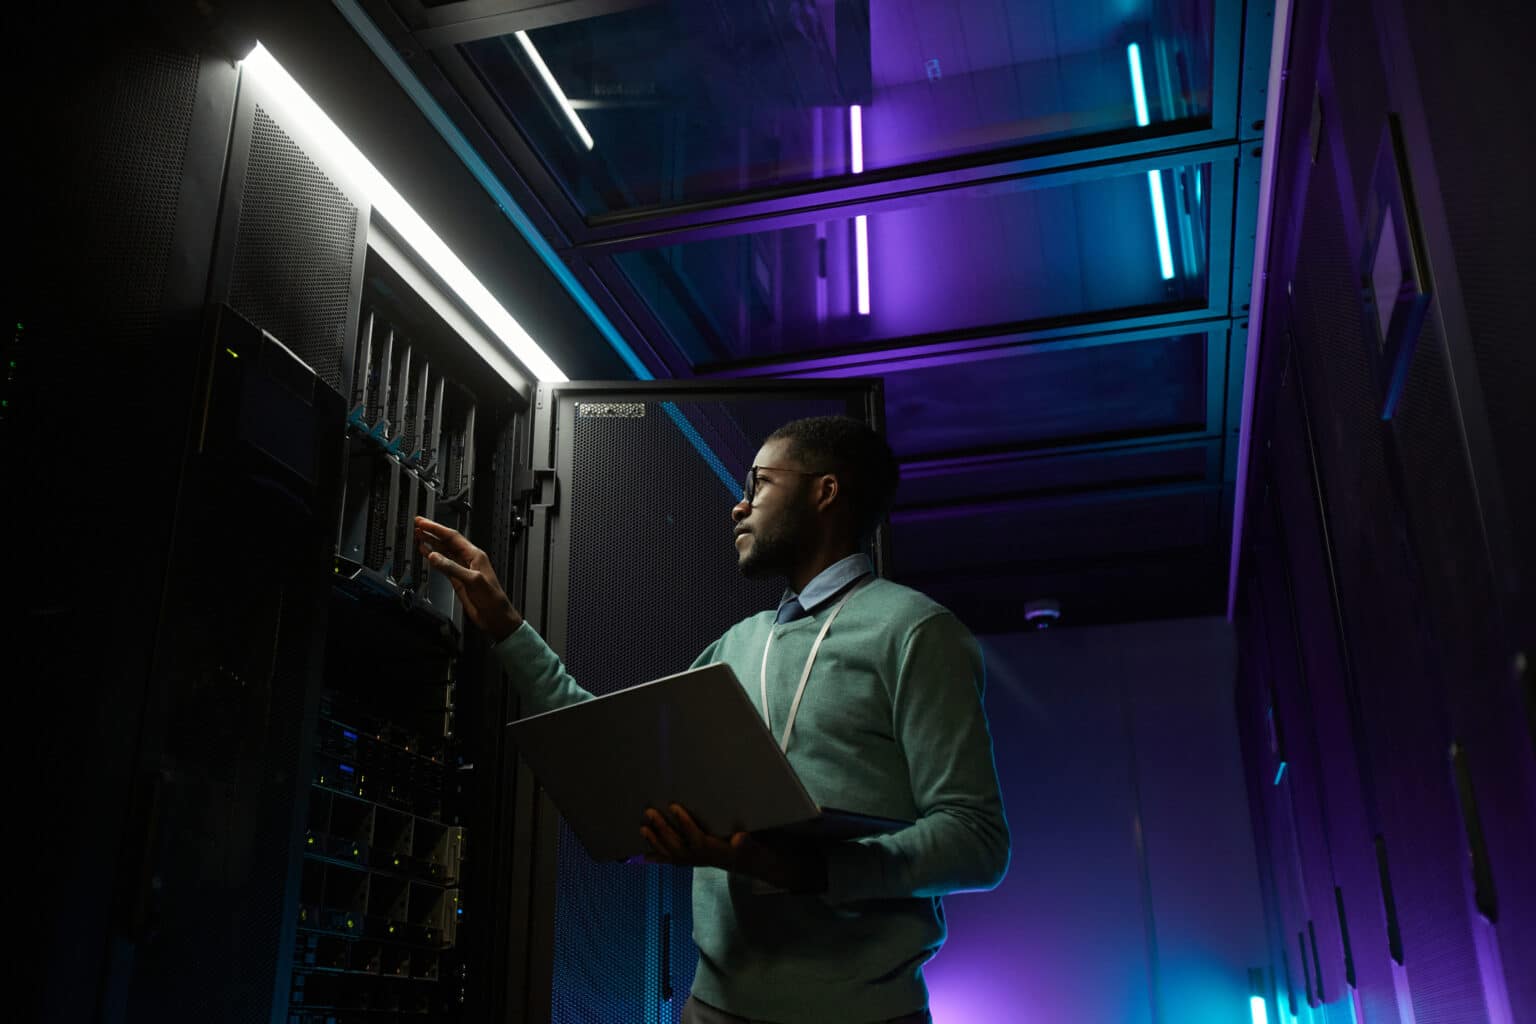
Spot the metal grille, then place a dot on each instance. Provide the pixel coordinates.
(653, 581)
(1360, 89)
(294, 251)
(378, 520)
(120, 208)
(1384, 614)
(1490, 211)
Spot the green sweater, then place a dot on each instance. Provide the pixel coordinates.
(891, 724)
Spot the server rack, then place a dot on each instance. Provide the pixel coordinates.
(269, 755)
(257, 729)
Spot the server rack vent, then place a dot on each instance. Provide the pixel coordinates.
(294, 251)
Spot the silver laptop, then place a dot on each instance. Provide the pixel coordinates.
(693, 739)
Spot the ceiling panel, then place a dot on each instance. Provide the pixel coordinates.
(954, 481)
(1029, 217)
(967, 259)
(688, 100)
(1028, 399)
(1022, 532)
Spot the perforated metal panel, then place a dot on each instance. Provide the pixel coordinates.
(1480, 131)
(147, 117)
(293, 265)
(1386, 608)
(653, 581)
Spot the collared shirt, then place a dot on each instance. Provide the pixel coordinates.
(830, 582)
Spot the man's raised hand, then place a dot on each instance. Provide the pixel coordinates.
(469, 572)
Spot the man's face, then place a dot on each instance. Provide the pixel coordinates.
(781, 521)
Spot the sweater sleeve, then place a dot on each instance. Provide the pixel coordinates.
(536, 672)
(960, 840)
(540, 678)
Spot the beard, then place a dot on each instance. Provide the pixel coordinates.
(772, 552)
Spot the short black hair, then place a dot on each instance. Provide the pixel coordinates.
(861, 459)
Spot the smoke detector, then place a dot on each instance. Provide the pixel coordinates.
(1043, 612)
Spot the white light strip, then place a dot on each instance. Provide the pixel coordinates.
(861, 260)
(856, 130)
(1138, 87)
(1160, 221)
(554, 87)
(861, 222)
(295, 103)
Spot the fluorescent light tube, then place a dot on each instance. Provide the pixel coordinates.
(296, 104)
(861, 258)
(861, 222)
(554, 87)
(1133, 54)
(856, 131)
(1160, 221)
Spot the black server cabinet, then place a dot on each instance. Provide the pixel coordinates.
(627, 570)
(239, 730)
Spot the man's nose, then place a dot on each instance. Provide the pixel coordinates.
(741, 510)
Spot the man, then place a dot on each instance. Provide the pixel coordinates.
(876, 693)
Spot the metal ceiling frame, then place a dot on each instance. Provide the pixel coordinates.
(429, 37)
(428, 40)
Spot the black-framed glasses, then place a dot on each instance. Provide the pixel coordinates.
(749, 487)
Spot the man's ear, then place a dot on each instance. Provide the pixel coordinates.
(828, 489)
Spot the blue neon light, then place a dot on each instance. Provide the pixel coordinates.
(732, 485)
(1154, 178)
(1258, 1009)
(347, 768)
(1279, 772)
(1160, 221)
(1133, 54)
(349, 734)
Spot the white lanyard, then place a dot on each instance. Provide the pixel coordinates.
(794, 708)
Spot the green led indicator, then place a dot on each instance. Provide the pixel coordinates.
(233, 352)
(20, 326)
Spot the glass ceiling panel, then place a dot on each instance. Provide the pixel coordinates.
(999, 256)
(685, 100)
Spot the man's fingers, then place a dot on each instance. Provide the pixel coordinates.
(666, 837)
(445, 539)
(688, 827)
(657, 854)
(453, 570)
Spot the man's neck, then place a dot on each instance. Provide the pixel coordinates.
(800, 577)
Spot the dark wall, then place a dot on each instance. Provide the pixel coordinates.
(1385, 607)
(1132, 894)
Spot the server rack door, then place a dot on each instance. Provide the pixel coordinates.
(629, 574)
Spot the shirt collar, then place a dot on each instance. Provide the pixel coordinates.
(831, 581)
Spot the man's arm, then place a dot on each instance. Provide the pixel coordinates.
(960, 841)
(536, 672)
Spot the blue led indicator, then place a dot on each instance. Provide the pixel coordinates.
(347, 768)
(349, 734)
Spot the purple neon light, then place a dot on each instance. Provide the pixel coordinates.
(861, 222)
(856, 131)
(861, 256)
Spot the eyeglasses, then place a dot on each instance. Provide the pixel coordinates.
(749, 489)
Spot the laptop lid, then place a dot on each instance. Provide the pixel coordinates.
(693, 738)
